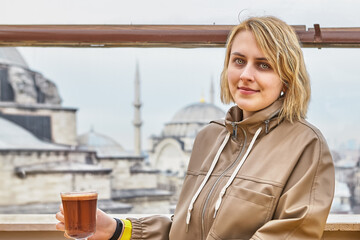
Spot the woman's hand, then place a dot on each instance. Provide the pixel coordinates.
(105, 225)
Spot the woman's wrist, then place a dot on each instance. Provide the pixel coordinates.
(119, 226)
(111, 227)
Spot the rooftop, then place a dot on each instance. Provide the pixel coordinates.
(12, 136)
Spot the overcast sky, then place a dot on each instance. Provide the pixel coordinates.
(99, 82)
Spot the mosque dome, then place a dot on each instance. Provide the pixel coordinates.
(198, 113)
(188, 120)
(103, 145)
(170, 151)
(11, 56)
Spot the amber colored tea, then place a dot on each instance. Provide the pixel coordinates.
(80, 213)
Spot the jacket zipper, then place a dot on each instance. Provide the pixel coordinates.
(218, 179)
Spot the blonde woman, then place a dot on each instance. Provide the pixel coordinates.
(263, 173)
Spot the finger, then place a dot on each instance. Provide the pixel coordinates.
(61, 208)
(60, 216)
(60, 226)
(67, 236)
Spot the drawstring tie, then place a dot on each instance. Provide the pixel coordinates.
(216, 158)
(231, 179)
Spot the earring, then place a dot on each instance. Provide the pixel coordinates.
(282, 93)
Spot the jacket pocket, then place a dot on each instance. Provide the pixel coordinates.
(242, 213)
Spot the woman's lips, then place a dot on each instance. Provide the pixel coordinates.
(247, 91)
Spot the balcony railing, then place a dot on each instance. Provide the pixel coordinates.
(157, 36)
(31, 227)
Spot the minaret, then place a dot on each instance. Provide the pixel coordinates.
(137, 117)
(212, 92)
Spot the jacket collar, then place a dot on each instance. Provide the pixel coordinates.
(265, 118)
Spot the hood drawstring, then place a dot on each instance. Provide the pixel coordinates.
(233, 175)
(216, 158)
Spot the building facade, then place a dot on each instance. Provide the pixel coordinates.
(41, 155)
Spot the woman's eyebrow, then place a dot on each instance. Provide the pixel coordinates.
(242, 55)
(238, 54)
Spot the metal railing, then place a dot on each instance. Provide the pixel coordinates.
(185, 36)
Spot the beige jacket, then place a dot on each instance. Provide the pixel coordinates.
(282, 189)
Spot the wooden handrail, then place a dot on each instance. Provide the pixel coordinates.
(184, 36)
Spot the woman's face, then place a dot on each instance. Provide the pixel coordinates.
(253, 83)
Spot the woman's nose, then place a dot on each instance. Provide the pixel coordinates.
(248, 73)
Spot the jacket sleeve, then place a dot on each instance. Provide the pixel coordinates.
(155, 227)
(306, 199)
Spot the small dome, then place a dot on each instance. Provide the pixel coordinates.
(199, 112)
(103, 145)
(11, 56)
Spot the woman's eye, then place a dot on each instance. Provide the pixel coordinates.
(239, 61)
(264, 66)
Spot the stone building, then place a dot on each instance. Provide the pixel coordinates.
(40, 155)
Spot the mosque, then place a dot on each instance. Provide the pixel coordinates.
(41, 154)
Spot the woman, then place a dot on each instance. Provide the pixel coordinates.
(263, 173)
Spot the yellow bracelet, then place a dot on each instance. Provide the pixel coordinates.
(126, 235)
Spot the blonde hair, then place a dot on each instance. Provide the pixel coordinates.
(278, 41)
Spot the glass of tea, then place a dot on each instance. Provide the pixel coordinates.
(80, 213)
